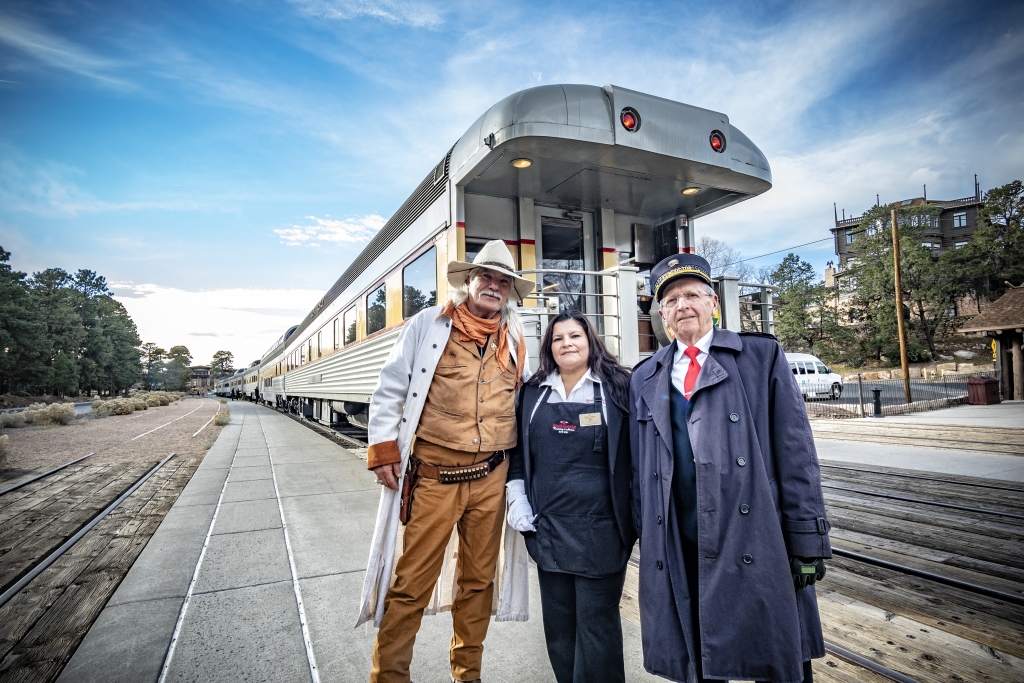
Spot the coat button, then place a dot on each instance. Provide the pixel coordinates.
(414, 394)
(655, 475)
(649, 415)
(661, 566)
(744, 509)
(734, 417)
(403, 419)
(659, 519)
(656, 432)
(423, 369)
(741, 461)
(481, 400)
(481, 419)
(475, 440)
(747, 559)
(435, 346)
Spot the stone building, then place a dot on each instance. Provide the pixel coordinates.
(956, 222)
(200, 378)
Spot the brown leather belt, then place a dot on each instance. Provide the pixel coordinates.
(456, 475)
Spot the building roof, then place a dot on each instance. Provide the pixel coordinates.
(1005, 313)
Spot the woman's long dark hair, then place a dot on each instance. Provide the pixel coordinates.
(614, 377)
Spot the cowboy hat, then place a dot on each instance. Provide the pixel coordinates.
(494, 256)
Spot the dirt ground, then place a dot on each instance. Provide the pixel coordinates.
(113, 439)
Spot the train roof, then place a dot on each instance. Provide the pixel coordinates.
(582, 157)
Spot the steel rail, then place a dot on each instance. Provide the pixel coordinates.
(938, 578)
(40, 566)
(871, 665)
(44, 474)
(936, 503)
(918, 476)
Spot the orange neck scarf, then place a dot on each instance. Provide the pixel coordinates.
(477, 329)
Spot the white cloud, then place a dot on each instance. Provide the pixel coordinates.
(416, 14)
(349, 230)
(57, 52)
(243, 321)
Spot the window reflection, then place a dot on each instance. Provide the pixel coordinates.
(350, 326)
(376, 310)
(419, 284)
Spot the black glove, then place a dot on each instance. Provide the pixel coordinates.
(806, 570)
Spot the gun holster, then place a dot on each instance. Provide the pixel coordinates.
(408, 489)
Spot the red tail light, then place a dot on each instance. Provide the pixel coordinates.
(717, 141)
(630, 119)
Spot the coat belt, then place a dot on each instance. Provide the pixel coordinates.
(455, 475)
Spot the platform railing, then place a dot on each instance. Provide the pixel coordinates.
(607, 297)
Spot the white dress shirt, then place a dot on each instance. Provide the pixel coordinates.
(583, 392)
(681, 363)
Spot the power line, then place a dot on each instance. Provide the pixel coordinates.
(779, 251)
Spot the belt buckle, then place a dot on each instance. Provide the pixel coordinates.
(455, 476)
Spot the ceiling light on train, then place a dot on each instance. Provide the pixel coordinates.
(717, 141)
(522, 163)
(691, 190)
(630, 119)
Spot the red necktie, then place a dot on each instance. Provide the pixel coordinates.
(692, 370)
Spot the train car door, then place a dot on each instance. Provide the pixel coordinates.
(566, 243)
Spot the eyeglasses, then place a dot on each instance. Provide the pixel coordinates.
(689, 299)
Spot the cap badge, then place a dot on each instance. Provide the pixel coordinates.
(673, 262)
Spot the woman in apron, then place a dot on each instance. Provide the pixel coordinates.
(569, 495)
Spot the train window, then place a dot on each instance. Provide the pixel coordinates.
(419, 284)
(473, 248)
(376, 310)
(563, 251)
(337, 333)
(350, 326)
(302, 355)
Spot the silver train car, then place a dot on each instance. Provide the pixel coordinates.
(588, 186)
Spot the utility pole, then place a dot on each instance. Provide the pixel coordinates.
(899, 307)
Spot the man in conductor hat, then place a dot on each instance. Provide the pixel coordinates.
(441, 419)
(727, 497)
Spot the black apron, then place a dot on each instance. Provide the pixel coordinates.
(570, 491)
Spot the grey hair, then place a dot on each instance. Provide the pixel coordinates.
(509, 311)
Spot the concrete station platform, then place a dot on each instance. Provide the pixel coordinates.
(242, 620)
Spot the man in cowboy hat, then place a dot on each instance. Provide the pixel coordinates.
(441, 418)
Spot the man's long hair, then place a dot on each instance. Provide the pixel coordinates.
(509, 312)
(614, 377)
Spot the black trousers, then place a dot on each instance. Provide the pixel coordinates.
(582, 626)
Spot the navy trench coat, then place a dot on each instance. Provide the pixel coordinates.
(753, 448)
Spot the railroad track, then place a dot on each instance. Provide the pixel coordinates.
(68, 536)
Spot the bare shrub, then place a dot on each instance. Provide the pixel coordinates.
(53, 414)
(8, 420)
(152, 401)
(224, 401)
(97, 404)
(5, 455)
(30, 412)
(120, 406)
(222, 418)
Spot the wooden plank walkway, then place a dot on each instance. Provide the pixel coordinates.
(1006, 440)
(41, 627)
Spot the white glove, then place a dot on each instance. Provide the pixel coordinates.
(520, 514)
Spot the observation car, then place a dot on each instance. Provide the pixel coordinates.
(588, 186)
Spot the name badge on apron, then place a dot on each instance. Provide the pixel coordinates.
(590, 419)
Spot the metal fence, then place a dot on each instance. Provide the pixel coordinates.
(857, 398)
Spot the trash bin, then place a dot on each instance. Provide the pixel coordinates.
(982, 390)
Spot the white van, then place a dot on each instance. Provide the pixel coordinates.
(816, 380)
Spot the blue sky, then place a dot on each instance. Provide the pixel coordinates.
(181, 149)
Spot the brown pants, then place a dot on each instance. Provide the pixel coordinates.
(478, 509)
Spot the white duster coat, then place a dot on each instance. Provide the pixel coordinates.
(409, 370)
